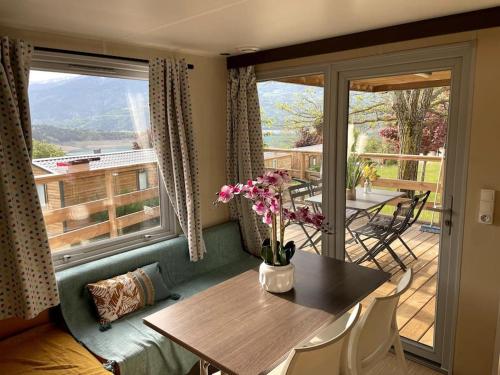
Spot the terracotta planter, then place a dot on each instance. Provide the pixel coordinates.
(277, 279)
(350, 194)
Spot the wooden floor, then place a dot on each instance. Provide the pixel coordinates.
(416, 309)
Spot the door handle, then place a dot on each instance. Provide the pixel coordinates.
(447, 214)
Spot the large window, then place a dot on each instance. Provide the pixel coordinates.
(94, 167)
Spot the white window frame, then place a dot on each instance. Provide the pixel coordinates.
(75, 63)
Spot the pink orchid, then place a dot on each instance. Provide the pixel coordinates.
(260, 208)
(271, 178)
(266, 193)
(226, 193)
(268, 218)
(289, 215)
(274, 205)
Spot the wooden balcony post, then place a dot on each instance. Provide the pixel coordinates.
(110, 194)
(302, 168)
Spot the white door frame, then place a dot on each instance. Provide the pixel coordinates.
(456, 57)
(459, 59)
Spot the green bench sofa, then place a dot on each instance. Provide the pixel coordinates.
(135, 348)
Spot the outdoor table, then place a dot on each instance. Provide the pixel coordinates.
(364, 201)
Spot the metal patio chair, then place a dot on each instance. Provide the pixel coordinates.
(299, 192)
(385, 230)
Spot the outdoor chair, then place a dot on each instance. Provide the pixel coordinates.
(385, 230)
(316, 188)
(298, 193)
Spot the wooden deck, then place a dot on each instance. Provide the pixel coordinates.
(416, 309)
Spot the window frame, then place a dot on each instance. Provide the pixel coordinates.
(114, 68)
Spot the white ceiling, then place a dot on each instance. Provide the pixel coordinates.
(215, 26)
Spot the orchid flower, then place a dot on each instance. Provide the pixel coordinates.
(266, 193)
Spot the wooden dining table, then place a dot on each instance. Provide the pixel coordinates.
(239, 328)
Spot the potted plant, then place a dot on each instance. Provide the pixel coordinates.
(276, 273)
(354, 165)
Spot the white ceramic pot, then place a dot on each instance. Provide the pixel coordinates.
(277, 279)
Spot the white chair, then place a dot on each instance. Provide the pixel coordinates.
(320, 355)
(377, 331)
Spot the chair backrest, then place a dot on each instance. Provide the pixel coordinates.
(421, 200)
(322, 354)
(410, 211)
(298, 191)
(373, 335)
(316, 188)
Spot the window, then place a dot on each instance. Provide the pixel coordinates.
(42, 194)
(143, 180)
(95, 170)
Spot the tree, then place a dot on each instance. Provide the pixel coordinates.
(411, 108)
(305, 116)
(46, 150)
(433, 135)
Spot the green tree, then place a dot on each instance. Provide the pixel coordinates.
(46, 150)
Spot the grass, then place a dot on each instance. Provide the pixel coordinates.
(432, 172)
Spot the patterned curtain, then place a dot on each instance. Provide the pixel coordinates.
(27, 279)
(173, 141)
(244, 150)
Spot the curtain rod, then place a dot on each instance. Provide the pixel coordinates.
(89, 54)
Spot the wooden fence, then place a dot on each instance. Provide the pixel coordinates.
(83, 211)
(299, 164)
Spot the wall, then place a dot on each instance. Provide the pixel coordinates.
(208, 93)
(480, 278)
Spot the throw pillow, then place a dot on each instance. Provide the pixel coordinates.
(127, 293)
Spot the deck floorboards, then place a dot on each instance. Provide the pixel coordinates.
(416, 311)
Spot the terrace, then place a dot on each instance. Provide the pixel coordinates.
(416, 312)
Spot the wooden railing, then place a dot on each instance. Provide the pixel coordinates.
(80, 213)
(298, 164)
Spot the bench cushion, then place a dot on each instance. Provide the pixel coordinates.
(137, 348)
(47, 349)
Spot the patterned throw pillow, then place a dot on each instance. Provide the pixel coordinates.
(127, 293)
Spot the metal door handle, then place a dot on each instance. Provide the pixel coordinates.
(441, 209)
(448, 212)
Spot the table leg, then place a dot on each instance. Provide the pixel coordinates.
(204, 367)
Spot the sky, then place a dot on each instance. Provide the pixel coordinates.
(38, 76)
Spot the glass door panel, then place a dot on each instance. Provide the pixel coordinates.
(396, 148)
(292, 115)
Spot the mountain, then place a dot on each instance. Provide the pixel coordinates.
(59, 135)
(90, 103)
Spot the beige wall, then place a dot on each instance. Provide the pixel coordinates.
(208, 92)
(480, 272)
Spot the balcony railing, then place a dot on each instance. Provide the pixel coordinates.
(80, 213)
(306, 164)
